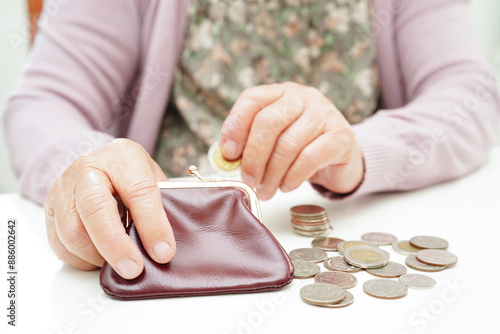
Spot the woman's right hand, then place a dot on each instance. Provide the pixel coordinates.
(83, 223)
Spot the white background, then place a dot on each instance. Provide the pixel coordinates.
(14, 39)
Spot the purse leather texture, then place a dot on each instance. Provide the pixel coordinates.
(221, 248)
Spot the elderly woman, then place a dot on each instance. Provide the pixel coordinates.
(355, 96)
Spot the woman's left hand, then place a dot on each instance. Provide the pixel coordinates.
(288, 133)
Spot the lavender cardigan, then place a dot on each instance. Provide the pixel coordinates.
(103, 69)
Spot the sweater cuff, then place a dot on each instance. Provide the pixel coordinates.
(381, 158)
(50, 162)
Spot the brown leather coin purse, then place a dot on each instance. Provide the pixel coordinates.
(222, 246)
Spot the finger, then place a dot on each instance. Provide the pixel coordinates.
(138, 188)
(58, 248)
(327, 149)
(158, 172)
(99, 213)
(237, 125)
(267, 126)
(287, 148)
(72, 233)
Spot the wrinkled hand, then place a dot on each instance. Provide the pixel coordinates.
(289, 133)
(82, 217)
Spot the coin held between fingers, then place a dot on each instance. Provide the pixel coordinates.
(220, 164)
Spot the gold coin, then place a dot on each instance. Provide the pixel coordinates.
(342, 246)
(404, 247)
(221, 165)
(366, 257)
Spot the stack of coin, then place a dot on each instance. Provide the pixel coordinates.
(310, 220)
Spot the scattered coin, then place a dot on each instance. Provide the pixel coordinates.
(404, 247)
(308, 254)
(221, 165)
(417, 281)
(326, 244)
(342, 246)
(425, 242)
(304, 269)
(379, 238)
(337, 263)
(412, 262)
(385, 288)
(322, 294)
(310, 220)
(338, 278)
(390, 270)
(348, 300)
(366, 257)
(437, 257)
(425, 253)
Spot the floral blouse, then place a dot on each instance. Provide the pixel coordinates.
(232, 45)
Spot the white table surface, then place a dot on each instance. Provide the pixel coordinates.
(55, 298)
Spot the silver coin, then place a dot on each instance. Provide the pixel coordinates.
(390, 270)
(338, 278)
(417, 281)
(308, 254)
(425, 242)
(348, 300)
(314, 234)
(326, 244)
(302, 221)
(337, 263)
(437, 257)
(379, 238)
(310, 219)
(322, 294)
(341, 247)
(404, 247)
(304, 269)
(312, 228)
(412, 262)
(324, 224)
(385, 288)
(366, 257)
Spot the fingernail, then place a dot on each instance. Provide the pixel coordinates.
(127, 268)
(230, 149)
(162, 250)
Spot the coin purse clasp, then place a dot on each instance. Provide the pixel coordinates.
(202, 182)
